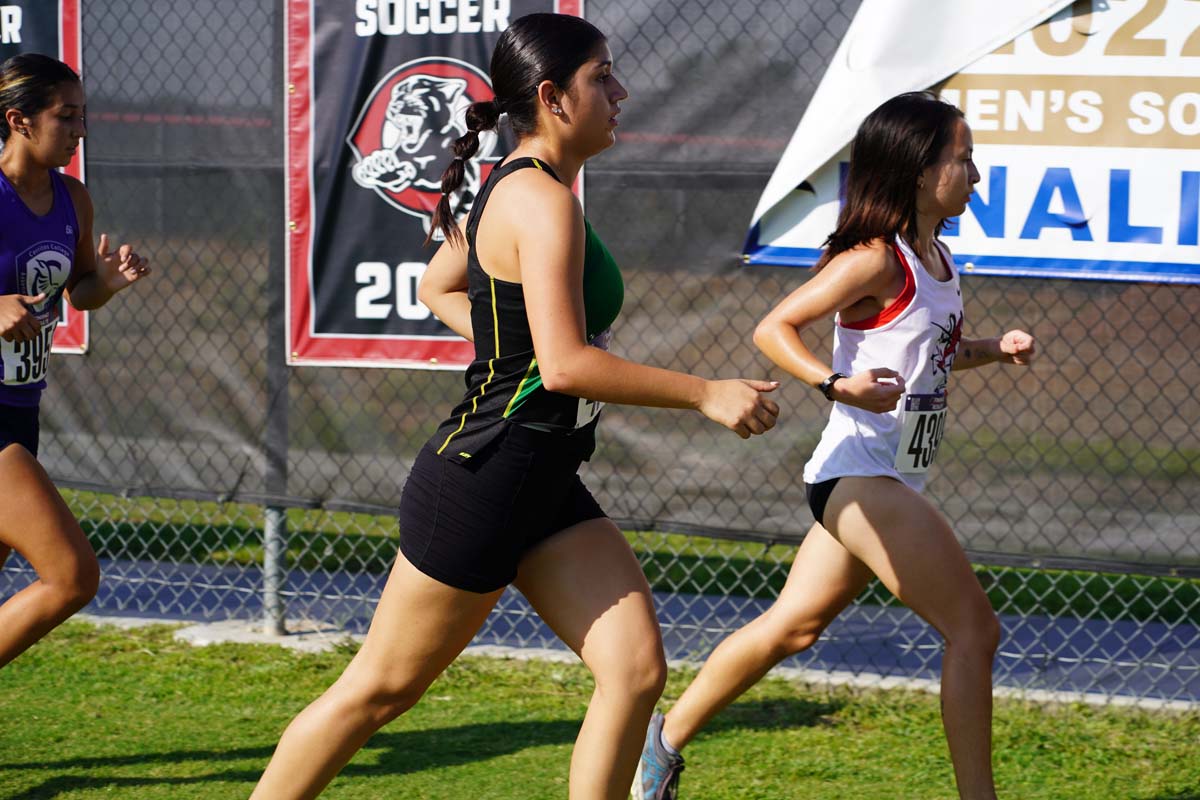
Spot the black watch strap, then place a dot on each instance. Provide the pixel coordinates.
(826, 386)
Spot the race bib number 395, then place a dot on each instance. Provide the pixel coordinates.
(924, 421)
(25, 362)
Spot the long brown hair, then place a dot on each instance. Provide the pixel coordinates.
(894, 144)
(534, 48)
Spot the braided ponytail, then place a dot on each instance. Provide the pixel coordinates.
(481, 116)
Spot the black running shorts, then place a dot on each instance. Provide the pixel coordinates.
(468, 525)
(818, 497)
(19, 425)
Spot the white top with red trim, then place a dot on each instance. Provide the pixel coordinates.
(917, 335)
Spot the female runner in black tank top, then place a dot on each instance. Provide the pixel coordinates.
(492, 463)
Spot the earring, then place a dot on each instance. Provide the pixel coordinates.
(557, 110)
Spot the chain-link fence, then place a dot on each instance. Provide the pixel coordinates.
(216, 483)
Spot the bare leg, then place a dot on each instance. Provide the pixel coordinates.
(419, 627)
(908, 544)
(35, 521)
(824, 579)
(587, 585)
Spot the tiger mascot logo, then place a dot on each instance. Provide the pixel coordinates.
(404, 132)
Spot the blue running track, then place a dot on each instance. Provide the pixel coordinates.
(1150, 661)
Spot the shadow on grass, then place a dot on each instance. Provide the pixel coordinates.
(1186, 794)
(768, 715)
(398, 753)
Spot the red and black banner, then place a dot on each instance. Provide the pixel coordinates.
(52, 29)
(377, 92)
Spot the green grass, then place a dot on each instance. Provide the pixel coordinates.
(100, 712)
(229, 533)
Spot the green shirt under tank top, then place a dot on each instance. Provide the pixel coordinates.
(504, 385)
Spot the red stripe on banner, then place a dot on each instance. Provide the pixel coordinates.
(298, 28)
(375, 351)
(573, 7)
(71, 335)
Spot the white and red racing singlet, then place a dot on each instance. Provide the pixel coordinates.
(917, 336)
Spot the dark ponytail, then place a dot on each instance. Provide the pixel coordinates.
(534, 48)
(481, 116)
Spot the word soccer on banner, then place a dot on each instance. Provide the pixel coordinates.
(377, 93)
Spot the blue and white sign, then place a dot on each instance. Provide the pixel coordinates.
(1086, 130)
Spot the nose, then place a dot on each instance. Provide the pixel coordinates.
(974, 175)
(619, 92)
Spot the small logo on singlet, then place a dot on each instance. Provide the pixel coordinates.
(946, 348)
(43, 269)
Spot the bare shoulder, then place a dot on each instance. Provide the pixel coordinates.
(866, 263)
(531, 194)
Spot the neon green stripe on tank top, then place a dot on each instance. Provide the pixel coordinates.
(491, 367)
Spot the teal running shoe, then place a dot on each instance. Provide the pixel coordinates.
(657, 776)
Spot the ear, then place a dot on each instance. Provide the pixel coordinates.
(549, 97)
(16, 120)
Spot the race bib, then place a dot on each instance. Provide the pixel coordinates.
(25, 362)
(590, 409)
(924, 421)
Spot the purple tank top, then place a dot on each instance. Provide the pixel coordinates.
(36, 254)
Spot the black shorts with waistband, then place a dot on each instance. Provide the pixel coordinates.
(469, 524)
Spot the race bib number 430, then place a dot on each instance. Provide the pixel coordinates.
(25, 362)
(924, 421)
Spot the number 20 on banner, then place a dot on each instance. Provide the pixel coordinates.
(385, 290)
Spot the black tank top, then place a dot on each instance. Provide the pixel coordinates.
(504, 385)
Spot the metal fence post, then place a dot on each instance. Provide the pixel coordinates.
(274, 570)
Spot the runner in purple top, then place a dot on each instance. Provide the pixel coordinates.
(45, 251)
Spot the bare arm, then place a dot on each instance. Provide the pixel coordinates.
(443, 287)
(850, 277)
(551, 262)
(96, 275)
(1014, 347)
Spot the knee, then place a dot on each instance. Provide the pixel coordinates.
(791, 633)
(77, 582)
(384, 698)
(641, 676)
(978, 634)
(794, 639)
